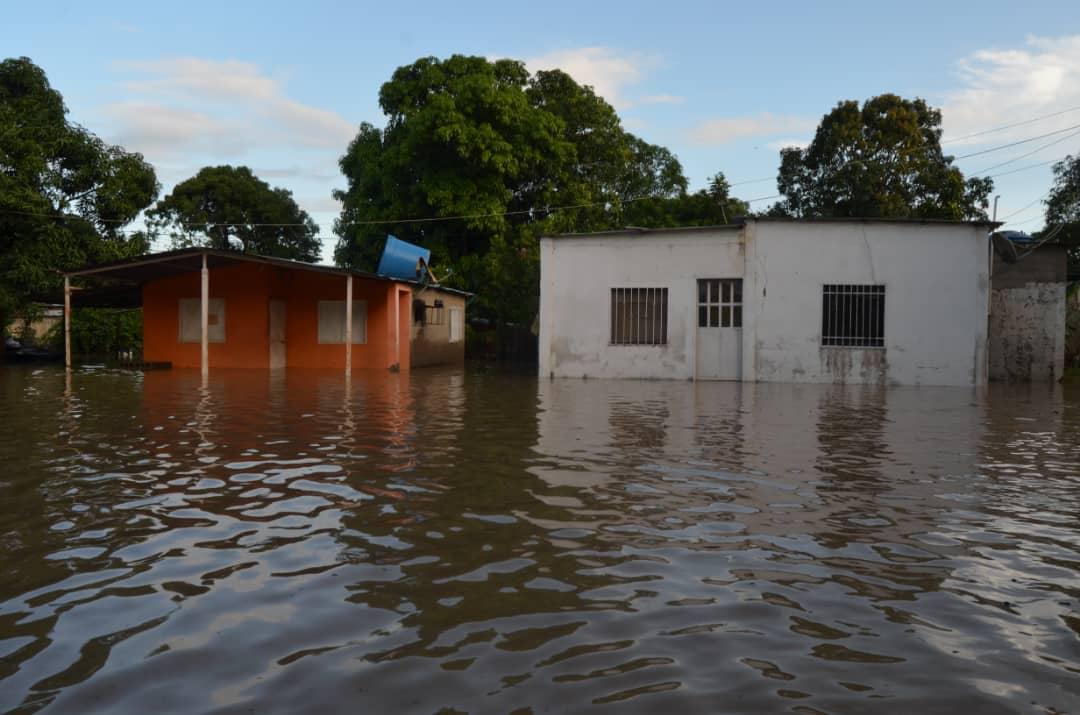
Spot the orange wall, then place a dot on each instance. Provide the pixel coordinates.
(247, 290)
(244, 289)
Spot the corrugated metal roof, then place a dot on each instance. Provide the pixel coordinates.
(140, 269)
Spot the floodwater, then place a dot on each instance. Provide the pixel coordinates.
(485, 542)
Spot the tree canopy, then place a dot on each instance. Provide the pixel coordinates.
(228, 207)
(65, 195)
(504, 151)
(883, 159)
(1063, 207)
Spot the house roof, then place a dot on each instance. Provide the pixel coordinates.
(635, 230)
(130, 273)
(742, 221)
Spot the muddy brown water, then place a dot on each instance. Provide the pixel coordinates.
(485, 542)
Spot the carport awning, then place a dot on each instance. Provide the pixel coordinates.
(119, 284)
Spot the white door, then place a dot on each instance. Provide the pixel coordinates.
(277, 333)
(719, 333)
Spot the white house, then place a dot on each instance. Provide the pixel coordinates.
(770, 300)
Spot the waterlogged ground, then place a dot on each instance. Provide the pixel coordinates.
(489, 543)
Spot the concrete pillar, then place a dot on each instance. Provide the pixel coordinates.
(348, 325)
(67, 322)
(204, 312)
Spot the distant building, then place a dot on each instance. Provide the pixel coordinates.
(779, 300)
(264, 312)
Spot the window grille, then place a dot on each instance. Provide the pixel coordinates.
(853, 316)
(639, 316)
(424, 314)
(719, 303)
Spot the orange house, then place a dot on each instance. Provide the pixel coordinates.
(207, 308)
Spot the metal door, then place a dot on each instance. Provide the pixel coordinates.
(719, 333)
(277, 333)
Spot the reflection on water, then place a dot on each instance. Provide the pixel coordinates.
(487, 543)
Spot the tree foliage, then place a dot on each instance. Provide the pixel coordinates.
(65, 195)
(1063, 207)
(501, 149)
(883, 159)
(228, 207)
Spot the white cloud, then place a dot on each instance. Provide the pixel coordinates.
(224, 96)
(1006, 86)
(161, 131)
(661, 99)
(727, 129)
(607, 71)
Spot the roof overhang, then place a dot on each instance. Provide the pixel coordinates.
(120, 282)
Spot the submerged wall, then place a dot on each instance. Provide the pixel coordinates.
(577, 274)
(1027, 317)
(436, 341)
(246, 291)
(936, 279)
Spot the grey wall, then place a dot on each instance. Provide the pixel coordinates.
(1027, 317)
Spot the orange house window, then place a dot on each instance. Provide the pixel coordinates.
(191, 323)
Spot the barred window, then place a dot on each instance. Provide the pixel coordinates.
(639, 316)
(853, 316)
(719, 303)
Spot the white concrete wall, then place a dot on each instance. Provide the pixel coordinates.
(936, 305)
(936, 279)
(576, 278)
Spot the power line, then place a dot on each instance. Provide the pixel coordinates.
(1024, 156)
(1010, 126)
(1025, 168)
(1016, 143)
(1025, 207)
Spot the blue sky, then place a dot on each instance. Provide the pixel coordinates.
(282, 86)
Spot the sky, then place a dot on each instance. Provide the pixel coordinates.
(281, 87)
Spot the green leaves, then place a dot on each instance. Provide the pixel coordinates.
(487, 141)
(65, 195)
(881, 160)
(228, 207)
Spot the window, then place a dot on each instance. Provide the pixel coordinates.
(457, 325)
(639, 316)
(191, 320)
(332, 322)
(719, 303)
(853, 316)
(424, 314)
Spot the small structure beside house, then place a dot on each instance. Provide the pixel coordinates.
(1027, 315)
(774, 300)
(206, 308)
(33, 328)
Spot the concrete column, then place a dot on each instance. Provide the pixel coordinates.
(348, 325)
(67, 322)
(204, 312)
(397, 327)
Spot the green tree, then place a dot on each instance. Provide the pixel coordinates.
(1063, 207)
(710, 206)
(883, 159)
(500, 148)
(65, 195)
(228, 207)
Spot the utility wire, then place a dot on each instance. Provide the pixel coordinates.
(1024, 156)
(1016, 143)
(548, 210)
(1010, 126)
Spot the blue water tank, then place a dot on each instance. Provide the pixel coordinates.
(400, 258)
